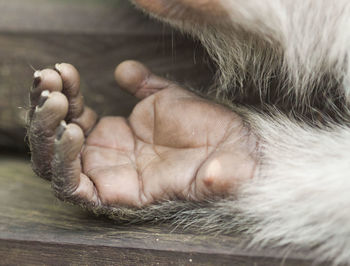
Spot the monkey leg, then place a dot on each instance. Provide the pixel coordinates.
(175, 145)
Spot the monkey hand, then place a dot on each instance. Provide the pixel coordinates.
(174, 145)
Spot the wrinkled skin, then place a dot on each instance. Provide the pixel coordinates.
(174, 145)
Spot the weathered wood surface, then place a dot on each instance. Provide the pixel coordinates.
(93, 35)
(37, 229)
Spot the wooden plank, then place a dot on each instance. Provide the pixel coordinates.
(36, 229)
(38, 253)
(76, 16)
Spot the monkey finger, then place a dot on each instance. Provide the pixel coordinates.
(78, 113)
(46, 79)
(138, 80)
(51, 109)
(86, 120)
(68, 182)
(71, 88)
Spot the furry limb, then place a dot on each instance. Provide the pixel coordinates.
(301, 194)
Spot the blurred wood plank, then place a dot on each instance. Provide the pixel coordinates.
(37, 229)
(75, 16)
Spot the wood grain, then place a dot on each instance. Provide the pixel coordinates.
(75, 16)
(37, 229)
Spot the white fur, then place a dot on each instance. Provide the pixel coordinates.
(301, 195)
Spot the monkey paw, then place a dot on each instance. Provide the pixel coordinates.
(174, 145)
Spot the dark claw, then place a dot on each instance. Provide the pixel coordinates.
(57, 68)
(43, 97)
(37, 79)
(60, 130)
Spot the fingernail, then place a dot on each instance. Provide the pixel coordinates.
(61, 129)
(37, 78)
(58, 68)
(43, 97)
